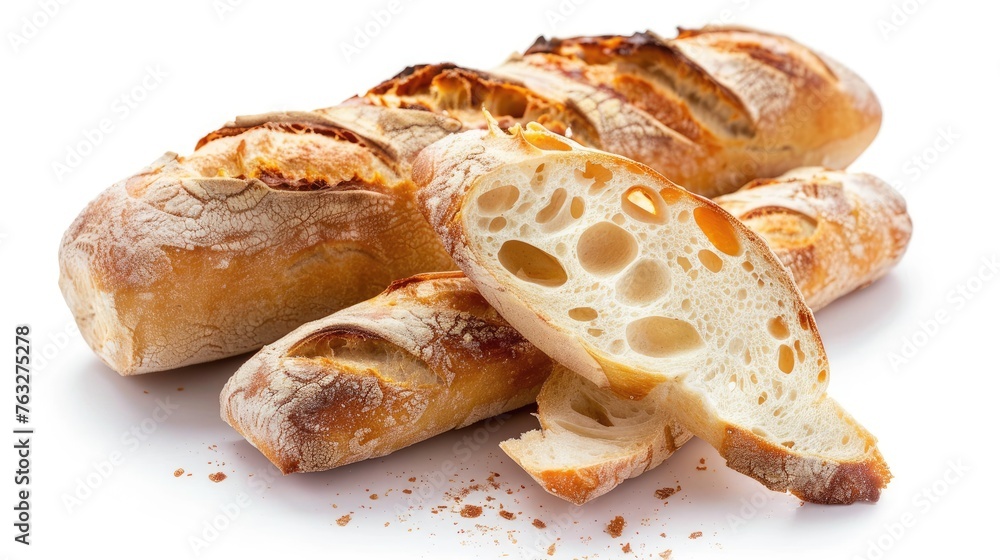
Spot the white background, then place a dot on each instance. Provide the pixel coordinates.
(936, 75)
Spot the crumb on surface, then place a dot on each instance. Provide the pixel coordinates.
(217, 477)
(615, 527)
(373, 497)
(665, 555)
(666, 492)
(538, 523)
(507, 515)
(695, 535)
(627, 547)
(470, 511)
(552, 549)
(344, 520)
(178, 472)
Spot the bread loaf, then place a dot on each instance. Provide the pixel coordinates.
(426, 356)
(591, 439)
(633, 282)
(280, 219)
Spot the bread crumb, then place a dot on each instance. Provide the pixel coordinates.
(702, 460)
(627, 548)
(217, 477)
(694, 535)
(386, 524)
(407, 491)
(664, 493)
(665, 555)
(344, 520)
(373, 497)
(507, 515)
(552, 549)
(615, 527)
(538, 523)
(412, 479)
(178, 472)
(470, 511)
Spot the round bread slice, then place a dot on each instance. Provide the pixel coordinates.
(633, 282)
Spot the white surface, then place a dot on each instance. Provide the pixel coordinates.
(939, 71)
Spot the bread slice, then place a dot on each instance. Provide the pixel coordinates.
(834, 231)
(633, 282)
(591, 439)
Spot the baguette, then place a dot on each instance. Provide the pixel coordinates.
(281, 219)
(834, 231)
(633, 282)
(426, 356)
(591, 440)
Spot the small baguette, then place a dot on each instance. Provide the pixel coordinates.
(281, 219)
(634, 282)
(834, 231)
(426, 356)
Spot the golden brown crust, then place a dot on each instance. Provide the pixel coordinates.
(278, 195)
(427, 355)
(811, 479)
(835, 232)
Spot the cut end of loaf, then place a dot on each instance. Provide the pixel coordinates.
(810, 478)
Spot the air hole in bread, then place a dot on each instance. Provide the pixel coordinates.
(618, 219)
(662, 337)
(597, 175)
(644, 205)
(497, 224)
(576, 208)
(671, 195)
(683, 216)
(747, 266)
(759, 432)
(741, 294)
(605, 249)
(710, 260)
(804, 320)
(685, 263)
(498, 200)
(531, 264)
(717, 228)
(546, 214)
(788, 444)
(844, 440)
(596, 333)
(583, 313)
(735, 346)
(584, 405)
(821, 377)
(778, 328)
(799, 354)
(786, 358)
(645, 281)
(762, 398)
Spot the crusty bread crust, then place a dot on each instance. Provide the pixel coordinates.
(834, 231)
(426, 356)
(279, 219)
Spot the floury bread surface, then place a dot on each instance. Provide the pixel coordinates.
(280, 219)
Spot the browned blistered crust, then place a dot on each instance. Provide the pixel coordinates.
(327, 394)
